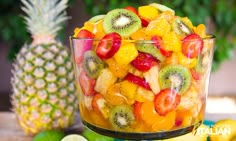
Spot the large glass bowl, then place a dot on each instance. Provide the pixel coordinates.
(114, 99)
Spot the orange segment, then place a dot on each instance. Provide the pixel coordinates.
(118, 70)
(114, 96)
(183, 118)
(165, 122)
(148, 113)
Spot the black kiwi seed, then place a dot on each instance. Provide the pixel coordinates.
(92, 64)
(121, 21)
(121, 117)
(176, 77)
(181, 28)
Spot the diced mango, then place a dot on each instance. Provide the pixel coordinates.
(148, 12)
(200, 30)
(126, 54)
(89, 26)
(172, 42)
(118, 70)
(143, 95)
(140, 35)
(158, 27)
(185, 61)
(128, 89)
(76, 32)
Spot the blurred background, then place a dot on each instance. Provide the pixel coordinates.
(218, 15)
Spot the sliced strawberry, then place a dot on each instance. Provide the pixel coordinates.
(144, 22)
(166, 101)
(192, 45)
(85, 34)
(195, 75)
(109, 45)
(137, 110)
(137, 80)
(87, 84)
(158, 43)
(132, 9)
(144, 62)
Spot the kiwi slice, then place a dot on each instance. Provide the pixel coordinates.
(92, 64)
(176, 77)
(149, 48)
(96, 18)
(121, 117)
(121, 21)
(180, 27)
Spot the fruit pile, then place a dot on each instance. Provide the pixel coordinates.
(142, 70)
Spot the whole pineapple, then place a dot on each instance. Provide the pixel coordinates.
(44, 94)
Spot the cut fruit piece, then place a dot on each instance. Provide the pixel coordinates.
(139, 35)
(137, 80)
(92, 64)
(114, 95)
(148, 113)
(96, 18)
(121, 117)
(171, 42)
(118, 70)
(99, 105)
(80, 47)
(121, 21)
(132, 9)
(143, 95)
(162, 8)
(108, 46)
(149, 48)
(87, 84)
(195, 74)
(128, 89)
(180, 27)
(74, 137)
(165, 123)
(136, 109)
(158, 27)
(148, 12)
(85, 34)
(144, 62)
(157, 42)
(185, 61)
(192, 45)
(166, 101)
(104, 81)
(151, 77)
(175, 77)
(144, 22)
(126, 54)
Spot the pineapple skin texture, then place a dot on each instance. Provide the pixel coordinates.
(44, 94)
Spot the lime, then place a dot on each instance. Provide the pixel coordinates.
(74, 137)
(93, 136)
(49, 135)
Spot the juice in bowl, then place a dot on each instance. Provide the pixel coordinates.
(142, 74)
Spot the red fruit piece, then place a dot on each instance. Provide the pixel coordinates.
(137, 80)
(143, 61)
(132, 9)
(85, 34)
(144, 22)
(87, 84)
(137, 110)
(158, 43)
(95, 102)
(166, 101)
(109, 45)
(192, 45)
(195, 74)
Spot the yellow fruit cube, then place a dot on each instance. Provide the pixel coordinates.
(126, 54)
(172, 42)
(140, 35)
(128, 89)
(185, 61)
(158, 27)
(89, 26)
(76, 32)
(148, 12)
(200, 30)
(116, 69)
(143, 95)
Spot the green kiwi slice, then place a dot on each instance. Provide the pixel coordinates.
(92, 64)
(96, 18)
(121, 117)
(180, 27)
(149, 48)
(121, 21)
(176, 77)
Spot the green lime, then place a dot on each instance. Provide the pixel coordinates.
(92, 136)
(49, 135)
(74, 137)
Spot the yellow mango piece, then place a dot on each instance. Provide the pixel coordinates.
(76, 32)
(128, 89)
(140, 35)
(89, 26)
(148, 12)
(143, 95)
(200, 30)
(98, 30)
(126, 54)
(185, 61)
(172, 42)
(158, 27)
(118, 70)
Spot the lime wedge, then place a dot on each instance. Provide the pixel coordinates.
(74, 137)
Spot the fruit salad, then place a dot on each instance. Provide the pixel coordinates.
(142, 70)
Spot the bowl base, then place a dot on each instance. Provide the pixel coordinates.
(142, 136)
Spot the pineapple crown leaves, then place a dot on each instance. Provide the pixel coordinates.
(44, 17)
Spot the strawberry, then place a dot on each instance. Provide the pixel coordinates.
(158, 43)
(192, 45)
(195, 74)
(137, 110)
(166, 101)
(109, 45)
(132, 9)
(144, 22)
(85, 34)
(87, 84)
(144, 62)
(137, 80)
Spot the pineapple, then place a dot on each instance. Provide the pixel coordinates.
(44, 95)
